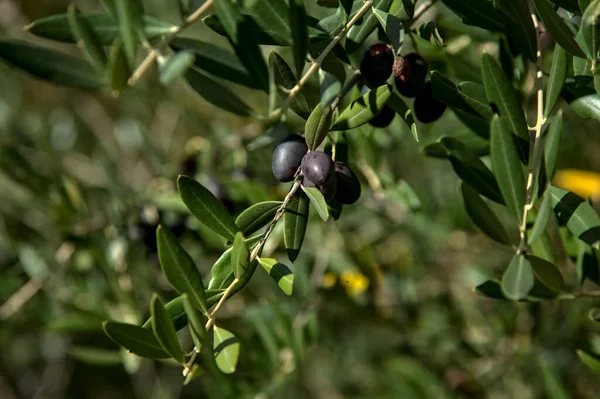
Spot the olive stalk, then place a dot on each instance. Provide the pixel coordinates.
(535, 138)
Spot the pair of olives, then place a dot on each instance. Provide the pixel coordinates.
(410, 78)
(335, 180)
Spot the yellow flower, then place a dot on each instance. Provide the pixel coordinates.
(582, 182)
(328, 280)
(355, 283)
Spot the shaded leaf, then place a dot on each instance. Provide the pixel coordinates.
(393, 27)
(257, 216)
(556, 80)
(490, 289)
(317, 126)
(216, 61)
(398, 105)
(500, 92)
(518, 25)
(129, 27)
(477, 13)
(103, 24)
(175, 66)
(588, 267)
(591, 361)
(195, 372)
(179, 269)
(318, 201)
(195, 322)
(295, 220)
(330, 86)
(118, 68)
(590, 30)
(56, 67)
(261, 36)
(215, 93)
(557, 28)
(282, 275)
(363, 109)
(577, 214)
(222, 272)
(472, 170)
(274, 17)
(359, 33)
(240, 255)
(553, 144)
(226, 349)
(135, 339)
(548, 280)
(299, 34)
(87, 38)
(285, 78)
(482, 215)
(542, 218)
(164, 330)
(518, 279)
(206, 207)
(507, 168)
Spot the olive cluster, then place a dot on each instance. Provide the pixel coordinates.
(335, 180)
(410, 78)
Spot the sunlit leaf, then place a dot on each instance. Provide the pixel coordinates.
(317, 126)
(318, 201)
(363, 109)
(240, 255)
(226, 349)
(222, 272)
(577, 214)
(282, 275)
(589, 29)
(518, 279)
(542, 218)
(257, 216)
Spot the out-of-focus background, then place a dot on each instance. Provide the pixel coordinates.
(383, 307)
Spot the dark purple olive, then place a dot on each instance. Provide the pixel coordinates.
(427, 107)
(376, 64)
(348, 186)
(328, 189)
(318, 167)
(288, 156)
(410, 73)
(383, 118)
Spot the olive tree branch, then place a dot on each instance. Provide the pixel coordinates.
(156, 52)
(316, 64)
(535, 137)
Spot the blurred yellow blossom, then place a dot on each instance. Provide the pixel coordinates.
(582, 182)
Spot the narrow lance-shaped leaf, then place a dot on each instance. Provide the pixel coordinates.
(295, 220)
(556, 80)
(482, 215)
(240, 255)
(472, 170)
(590, 30)
(318, 201)
(359, 33)
(507, 168)
(195, 322)
(164, 330)
(590, 360)
(87, 38)
(118, 70)
(129, 27)
(393, 27)
(216, 61)
(500, 92)
(135, 339)
(175, 66)
(282, 275)
(257, 216)
(206, 207)
(222, 272)
(226, 349)
(273, 16)
(103, 24)
(317, 126)
(179, 269)
(330, 86)
(400, 107)
(480, 13)
(577, 214)
(265, 37)
(553, 144)
(299, 34)
(215, 93)
(363, 109)
(542, 218)
(557, 28)
(474, 94)
(243, 41)
(518, 25)
(285, 78)
(518, 279)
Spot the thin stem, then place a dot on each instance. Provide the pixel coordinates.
(534, 138)
(316, 64)
(280, 211)
(156, 52)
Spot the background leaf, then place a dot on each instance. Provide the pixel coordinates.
(175, 66)
(556, 80)
(87, 39)
(53, 66)
(482, 215)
